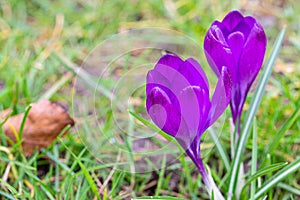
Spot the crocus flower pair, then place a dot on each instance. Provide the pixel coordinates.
(178, 99)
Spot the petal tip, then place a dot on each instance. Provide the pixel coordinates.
(232, 19)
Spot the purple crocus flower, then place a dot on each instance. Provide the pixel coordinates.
(239, 43)
(178, 102)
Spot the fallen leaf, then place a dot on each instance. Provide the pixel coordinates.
(44, 123)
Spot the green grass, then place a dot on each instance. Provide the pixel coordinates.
(42, 41)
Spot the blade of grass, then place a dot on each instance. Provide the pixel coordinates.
(275, 142)
(56, 180)
(84, 76)
(250, 115)
(84, 190)
(8, 196)
(220, 148)
(161, 175)
(15, 99)
(261, 173)
(289, 188)
(287, 170)
(9, 187)
(85, 171)
(80, 185)
(69, 192)
(23, 121)
(55, 158)
(17, 163)
(61, 82)
(47, 189)
(116, 184)
(155, 128)
(130, 150)
(254, 159)
(160, 197)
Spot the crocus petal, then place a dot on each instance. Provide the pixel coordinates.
(154, 79)
(168, 65)
(172, 67)
(245, 26)
(232, 19)
(221, 96)
(162, 111)
(252, 56)
(192, 72)
(237, 102)
(236, 43)
(218, 32)
(250, 62)
(217, 53)
(194, 104)
(203, 81)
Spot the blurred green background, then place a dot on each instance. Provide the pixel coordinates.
(33, 33)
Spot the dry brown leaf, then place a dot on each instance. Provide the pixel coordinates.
(44, 122)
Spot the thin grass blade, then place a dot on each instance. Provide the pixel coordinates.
(86, 172)
(158, 198)
(220, 148)
(84, 76)
(289, 188)
(261, 173)
(254, 158)
(289, 169)
(161, 175)
(274, 142)
(155, 128)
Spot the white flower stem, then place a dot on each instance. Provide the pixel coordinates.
(208, 181)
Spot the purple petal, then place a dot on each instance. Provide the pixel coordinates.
(171, 69)
(218, 32)
(217, 53)
(251, 60)
(162, 111)
(236, 43)
(232, 19)
(154, 79)
(221, 97)
(195, 105)
(237, 102)
(168, 66)
(252, 57)
(245, 26)
(203, 80)
(190, 73)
